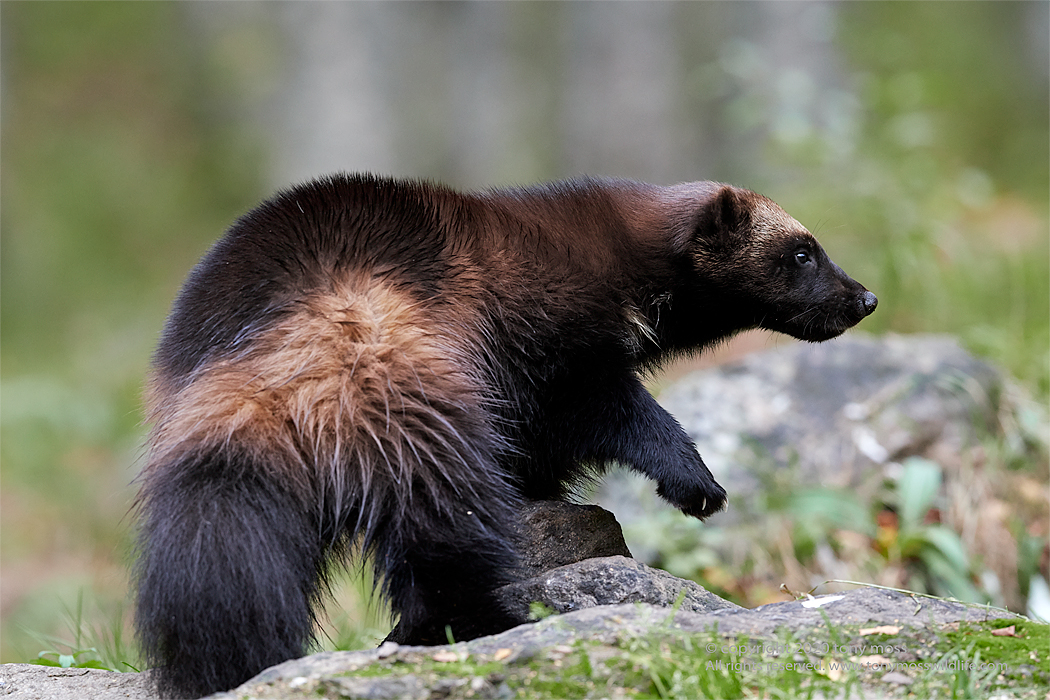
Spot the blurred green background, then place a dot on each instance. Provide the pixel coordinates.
(911, 137)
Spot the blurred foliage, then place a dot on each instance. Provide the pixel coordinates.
(118, 174)
(934, 158)
(948, 187)
(917, 525)
(805, 535)
(935, 549)
(124, 156)
(118, 171)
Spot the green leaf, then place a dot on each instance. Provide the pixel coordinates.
(837, 508)
(916, 490)
(948, 544)
(948, 580)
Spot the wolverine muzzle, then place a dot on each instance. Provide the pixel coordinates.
(866, 304)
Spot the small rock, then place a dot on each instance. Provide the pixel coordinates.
(897, 678)
(445, 657)
(406, 687)
(556, 534)
(606, 581)
(387, 649)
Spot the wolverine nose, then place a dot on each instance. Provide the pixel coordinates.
(867, 303)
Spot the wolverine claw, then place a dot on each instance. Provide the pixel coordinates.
(698, 501)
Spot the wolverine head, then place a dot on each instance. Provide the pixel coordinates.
(773, 270)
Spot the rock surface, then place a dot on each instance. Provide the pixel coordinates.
(835, 412)
(31, 682)
(607, 581)
(303, 678)
(557, 534)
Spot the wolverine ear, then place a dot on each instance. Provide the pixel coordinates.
(722, 217)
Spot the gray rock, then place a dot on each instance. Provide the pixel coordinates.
(836, 412)
(375, 688)
(556, 534)
(32, 682)
(874, 606)
(575, 557)
(327, 673)
(860, 606)
(607, 624)
(607, 581)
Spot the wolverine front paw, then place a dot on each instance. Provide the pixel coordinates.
(698, 500)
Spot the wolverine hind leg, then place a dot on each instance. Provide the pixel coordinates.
(441, 564)
(444, 537)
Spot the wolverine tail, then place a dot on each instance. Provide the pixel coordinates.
(350, 420)
(228, 574)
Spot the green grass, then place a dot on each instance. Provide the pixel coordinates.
(97, 641)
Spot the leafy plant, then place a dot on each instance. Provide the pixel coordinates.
(70, 660)
(93, 646)
(936, 548)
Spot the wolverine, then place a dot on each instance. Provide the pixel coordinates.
(389, 368)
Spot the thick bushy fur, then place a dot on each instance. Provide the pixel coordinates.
(363, 362)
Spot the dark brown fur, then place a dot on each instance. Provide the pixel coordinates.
(394, 365)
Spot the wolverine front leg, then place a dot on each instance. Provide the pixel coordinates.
(620, 420)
